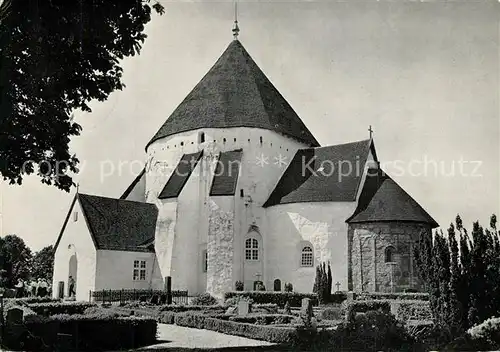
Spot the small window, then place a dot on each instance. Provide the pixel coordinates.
(223, 140)
(242, 193)
(182, 143)
(205, 261)
(235, 139)
(139, 273)
(389, 254)
(306, 258)
(248, 140)
(251, 249)
(75, 216)
(201, 137)
(260, 138)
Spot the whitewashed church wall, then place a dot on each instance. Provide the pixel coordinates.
(165, 234)
(115, 271)
(191, 224)
(76, 239)
(292, 226)
(163, 156)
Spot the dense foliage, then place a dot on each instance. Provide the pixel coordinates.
(280, 298)
(15, 261)
(323, 282)
(43, 264)
(56, 57)
(205, 299)
(462, 275)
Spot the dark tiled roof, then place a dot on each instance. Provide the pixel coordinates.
(304, 181)
(118, 224)
(236, 93)
(180, 175)
(383, 199)
(133, 184)
(226, 173)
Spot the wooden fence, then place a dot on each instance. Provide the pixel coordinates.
(131, 295)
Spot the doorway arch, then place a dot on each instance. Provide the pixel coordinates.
(72, 275)
(277, 285)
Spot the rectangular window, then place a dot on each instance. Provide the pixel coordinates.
(205, 261)
(139, 273)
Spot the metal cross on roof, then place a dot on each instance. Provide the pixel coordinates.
(236, 29)
(371, 131)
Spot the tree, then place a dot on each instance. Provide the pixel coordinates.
(55, 57)
(43, 264)
(461, 275)
(330, 281)
(15, 260)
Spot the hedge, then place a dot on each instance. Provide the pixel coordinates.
(279, 298)
(85, 333)
(30, 300)
(413, 310)
(53, 308)
(263, 319)
(420, 296)
(186, 308)
(354, 307)
(259, 332)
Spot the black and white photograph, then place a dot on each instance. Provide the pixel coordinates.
(249, 175)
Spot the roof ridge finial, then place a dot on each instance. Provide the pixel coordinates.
(371, 131)
(236, 29)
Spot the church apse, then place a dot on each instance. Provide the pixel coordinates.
(381, 256)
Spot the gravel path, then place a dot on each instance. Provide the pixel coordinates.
(173, 336)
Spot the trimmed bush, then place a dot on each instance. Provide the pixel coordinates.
(29, 300)
(263, 319)
(87, 332)
(205, 299)
(278, 298)
(166, 317)
(331, 314)
(186, 308)
(53, 308)
(355, 307)
(338, 297)
(259, 332)
(396, 296)
(288, 287)
(269, 308)
(412, 310)
(238, 286)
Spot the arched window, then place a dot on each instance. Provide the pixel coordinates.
(306, 258)
(389, 254)
(251, 249)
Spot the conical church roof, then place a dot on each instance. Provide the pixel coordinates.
(389, 202)
(236, 93)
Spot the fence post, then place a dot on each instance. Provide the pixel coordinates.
(121, 296)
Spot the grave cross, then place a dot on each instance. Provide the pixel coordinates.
(338, 285)
(258, 276)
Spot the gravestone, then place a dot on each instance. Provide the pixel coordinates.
(351, 296)
(306, 311)
(14, 316)
(243, 307)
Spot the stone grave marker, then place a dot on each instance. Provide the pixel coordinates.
(243, 307)
(306, 311)
(14, 316)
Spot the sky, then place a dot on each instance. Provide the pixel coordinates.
(425, 76)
